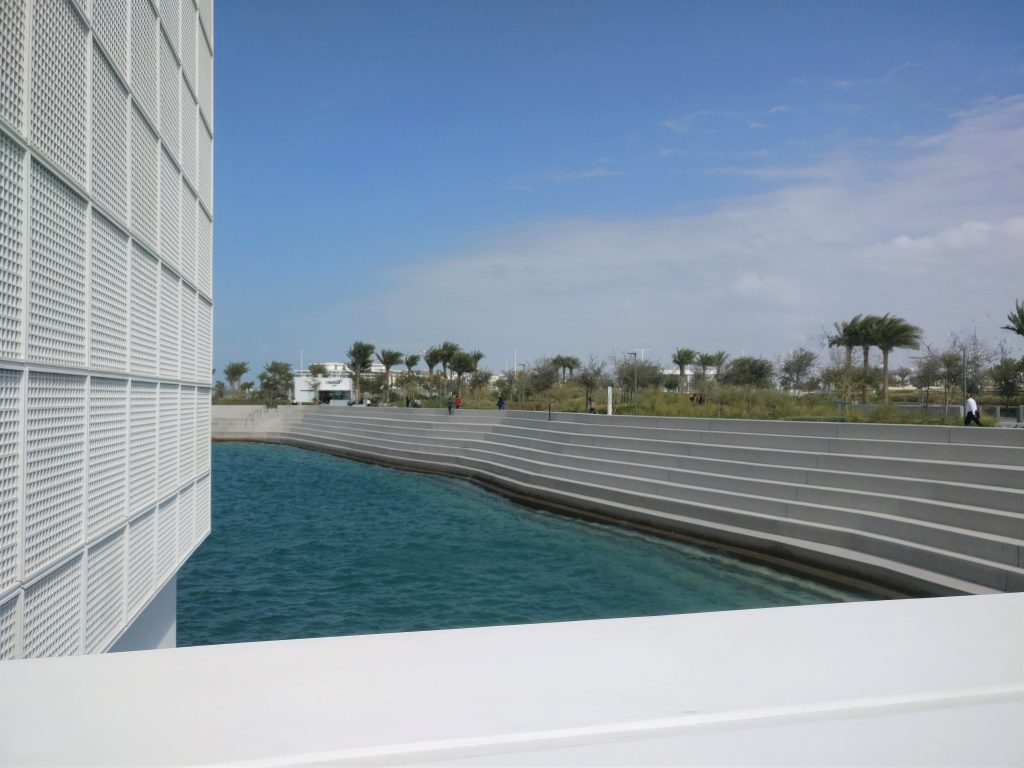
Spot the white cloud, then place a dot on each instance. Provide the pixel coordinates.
(929, 228)
(594, 173)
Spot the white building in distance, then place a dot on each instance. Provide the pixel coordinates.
(106, 316)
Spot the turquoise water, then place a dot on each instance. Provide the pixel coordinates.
(305, 545)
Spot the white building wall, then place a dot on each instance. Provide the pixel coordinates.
(106, 315)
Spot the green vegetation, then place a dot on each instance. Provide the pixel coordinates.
(798, 386)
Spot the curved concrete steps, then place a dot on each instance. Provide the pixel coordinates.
(921, 524)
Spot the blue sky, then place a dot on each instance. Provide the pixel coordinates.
(583, 178)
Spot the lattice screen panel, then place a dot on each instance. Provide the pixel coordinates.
(204, 164)
(170, 216)
(12, 217)
(108, 297)
(56, 318)
(186, 520)
(142, 446)
(110, 25)
(166, 537)
(189, 131)
(188, 42)
(145, 58)
(145, 292)
(10, 467)
(141, 560)
(54, 467)
(12, 72)
(104, 591)
(204, 61)
(59, 85)
(206, 16)
(204, 339)
(170, 16)
(202, 430)
(203, 519)
(168, 440)
(105, 305)
(9, 628)
(187, 436)
(204, 253)
(169, 100)
(145, 179)
(53, 613)
(109, 137)
(188, 333)
(189, 204)
(170, 324)
(108, 452)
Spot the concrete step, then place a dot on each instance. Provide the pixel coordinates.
(983, 556)
(812, 543)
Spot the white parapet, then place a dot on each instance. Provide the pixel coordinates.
(922, 682)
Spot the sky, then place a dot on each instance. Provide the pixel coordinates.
(590, 178)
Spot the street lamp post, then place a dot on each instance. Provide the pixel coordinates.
(636, 403)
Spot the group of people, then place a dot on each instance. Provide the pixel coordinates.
(453, 403)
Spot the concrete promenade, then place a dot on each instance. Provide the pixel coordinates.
(916, 509)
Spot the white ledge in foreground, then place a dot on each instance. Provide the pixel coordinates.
(936, 681)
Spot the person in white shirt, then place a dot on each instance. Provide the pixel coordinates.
(971, 411)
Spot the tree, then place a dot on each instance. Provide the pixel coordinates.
(889, 332)
(566, 363)
(432, 358)
(863, 332)
(448, 350)
(218, 390)
(1016, 319)
(234, 372)
(360, 357)
(1006, 376)
(683, 357)
(316, 371)
(797, 369)
(902, 375)
(389, 358)
(592, 375)
(411, 361)
(461, 364)
(275, 381)
(749, 372)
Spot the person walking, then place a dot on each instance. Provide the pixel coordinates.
(971, 411)
(501, 403)
(451, 405)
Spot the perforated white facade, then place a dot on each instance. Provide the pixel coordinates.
(106, 313)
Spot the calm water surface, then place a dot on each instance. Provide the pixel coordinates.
(305, 545)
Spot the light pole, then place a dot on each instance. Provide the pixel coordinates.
(522, 384)
(636, 403)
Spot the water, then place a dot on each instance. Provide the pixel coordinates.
(305, 545)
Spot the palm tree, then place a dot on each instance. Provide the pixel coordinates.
(683, 357)
(432, 358)
(411, 361)
(888, 333)
(360, 356)
(448, 350)
(389, 358)
(1016, 319)
(864, 336)
(845, 336)
(461, 364)
(718, 361)
(234, 372)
